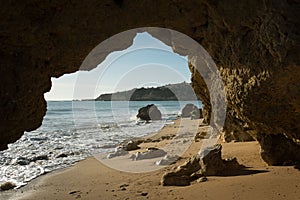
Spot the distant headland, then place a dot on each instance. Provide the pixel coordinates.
(171, 92)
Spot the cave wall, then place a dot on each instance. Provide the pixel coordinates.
(255, 45)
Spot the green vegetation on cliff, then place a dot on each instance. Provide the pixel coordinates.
(172, 92)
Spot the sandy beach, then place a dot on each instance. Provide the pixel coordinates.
(92, 179)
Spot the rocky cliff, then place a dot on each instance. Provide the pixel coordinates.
(255, 45)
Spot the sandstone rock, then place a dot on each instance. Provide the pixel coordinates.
(238, 131)
(173, 179)
(182, 175)
(236, 137)
(130, 145)
(279, 150)
(190, 166)
(118, 152)
(149, 154)
(211, 161)
(207, 163)
(167, 160)
(149, 112)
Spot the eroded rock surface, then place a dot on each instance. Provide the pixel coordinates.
(149, 154)
(279, 150)
(208, 163)
(255, 45)
(119, 151)
(130, 145)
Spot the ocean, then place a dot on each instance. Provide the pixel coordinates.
(74, 130)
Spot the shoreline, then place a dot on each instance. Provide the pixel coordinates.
(21, 164)
(7, 194)
(91, 179)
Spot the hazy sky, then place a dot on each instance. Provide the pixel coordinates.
(148, 62)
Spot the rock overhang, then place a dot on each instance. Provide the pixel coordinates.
(254, 44)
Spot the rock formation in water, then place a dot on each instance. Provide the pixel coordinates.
(255, 45)
(149, 112)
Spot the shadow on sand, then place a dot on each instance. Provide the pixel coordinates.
(242, 172)
(297, 166)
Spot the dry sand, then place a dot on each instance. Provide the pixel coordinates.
(91, 179)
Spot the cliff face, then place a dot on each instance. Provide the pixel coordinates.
(255, 45)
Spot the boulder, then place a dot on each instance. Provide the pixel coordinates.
(189, 167)
(149, 154)
(173, 179)
(118, 152)
(22, 161)
(40, 157)
(182, 174)
(208, 163)
(211, 161)
(7, 186)
(130, 145)
(188, 109)
(149, 112)
(167, 160)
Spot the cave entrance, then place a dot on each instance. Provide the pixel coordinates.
(116, 123)
(76, 125)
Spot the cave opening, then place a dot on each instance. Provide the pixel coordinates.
(239, 36)
(78, 122)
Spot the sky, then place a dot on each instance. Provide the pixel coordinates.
(147, 63)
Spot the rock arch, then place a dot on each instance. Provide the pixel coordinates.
(255, 45)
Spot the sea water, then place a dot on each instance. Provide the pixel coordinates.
(74, 130)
